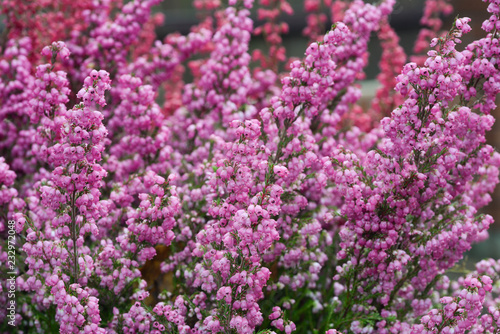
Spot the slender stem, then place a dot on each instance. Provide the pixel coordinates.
(74, 237)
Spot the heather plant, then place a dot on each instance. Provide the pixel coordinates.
(266, 197)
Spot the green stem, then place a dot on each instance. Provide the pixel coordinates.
(74, 237)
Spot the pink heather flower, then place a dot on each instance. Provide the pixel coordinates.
(245, 199)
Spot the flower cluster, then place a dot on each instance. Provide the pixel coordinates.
(460, 313)
(248, 200)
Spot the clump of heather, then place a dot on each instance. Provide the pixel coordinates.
(261, 196)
